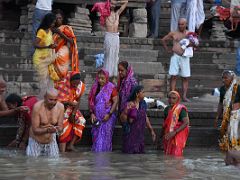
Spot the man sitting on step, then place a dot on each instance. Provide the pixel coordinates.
(179, 64)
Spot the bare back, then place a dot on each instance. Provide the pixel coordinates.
(43, 118)
(112, 22)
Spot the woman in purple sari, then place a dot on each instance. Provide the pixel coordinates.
(126, 82)
(135, 117)
(103, 101)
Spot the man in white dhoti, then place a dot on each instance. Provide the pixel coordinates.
(47, 120)
(229, 107)
(195, 15)
(111, 40)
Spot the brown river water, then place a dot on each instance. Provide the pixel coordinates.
(196, 164)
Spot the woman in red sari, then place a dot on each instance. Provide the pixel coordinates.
(175, 126)
(70, 91)
(66, 49)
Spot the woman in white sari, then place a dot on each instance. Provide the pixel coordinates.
(229, 107)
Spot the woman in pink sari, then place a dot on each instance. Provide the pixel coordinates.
(175, 126)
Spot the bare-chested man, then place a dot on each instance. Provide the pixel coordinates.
(47, 120)
(179, 65)
(111, 40)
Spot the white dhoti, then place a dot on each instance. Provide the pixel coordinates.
(36, 149)
(111, 51)
(195, 14)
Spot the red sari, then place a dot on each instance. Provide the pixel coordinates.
(175, 145)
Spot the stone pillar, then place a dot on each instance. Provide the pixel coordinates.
(80, 21)
(138, 28)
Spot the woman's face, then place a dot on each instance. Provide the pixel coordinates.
(227, 80)
(102, 79)
(59, 20)
(172, 99)
(140, 95)
(75, 83)
(122, 72)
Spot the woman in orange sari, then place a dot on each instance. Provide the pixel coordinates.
(70, 91)
(66, 49)
(175, 126)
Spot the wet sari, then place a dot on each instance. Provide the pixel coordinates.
(133, 139)
(100, 103)
(59, 68)
(175, 145)
(125, 87)
(70, 94)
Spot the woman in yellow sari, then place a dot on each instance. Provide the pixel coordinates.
(66, 49)
(44, 52)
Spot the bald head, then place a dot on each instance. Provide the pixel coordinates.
(182, 24)
(52, 92)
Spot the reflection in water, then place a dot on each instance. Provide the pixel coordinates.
(196, 164)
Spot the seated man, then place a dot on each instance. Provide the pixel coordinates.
(47, 120)
(24, 118)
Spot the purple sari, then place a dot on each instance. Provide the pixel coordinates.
(124, 88)
(102, 134)
(133, 141)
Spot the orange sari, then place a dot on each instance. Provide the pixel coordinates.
(175, 145)
(59, 68)
(66, 94)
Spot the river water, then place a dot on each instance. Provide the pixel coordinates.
(196, 164)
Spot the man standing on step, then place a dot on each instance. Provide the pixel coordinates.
(47, 121)
(111, 39)
(179, 65)
(153, 8)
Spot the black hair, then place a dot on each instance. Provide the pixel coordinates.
(58, 11)
(228, 73)
(136, 89)
(75, 77)
(14, 98)
(47, 21)
(124, 64)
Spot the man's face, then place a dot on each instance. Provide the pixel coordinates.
(50, 101)
(182, 25)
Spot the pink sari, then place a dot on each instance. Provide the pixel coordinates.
(175, 145)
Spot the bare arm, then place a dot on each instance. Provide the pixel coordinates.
(115, 103)
(37, 45)
(123, 6)
(149, 126)
(165, 39)
(10, 112)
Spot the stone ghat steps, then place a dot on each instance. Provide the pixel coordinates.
(198, 137)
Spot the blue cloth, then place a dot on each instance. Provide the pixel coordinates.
(237, 69)
(155, 15)
(99, 60)
(178, 1)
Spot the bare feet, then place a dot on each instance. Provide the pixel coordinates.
(71, 148)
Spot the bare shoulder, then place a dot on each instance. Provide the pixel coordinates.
(60, 106)
(37, 105)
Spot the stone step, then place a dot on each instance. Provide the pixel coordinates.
(8, 25)
(125, 52)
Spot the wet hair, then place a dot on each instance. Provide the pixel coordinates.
(75, 77)
(47, 21)
(228, 73)
(136, 89)
(124, 64)
(14, 98)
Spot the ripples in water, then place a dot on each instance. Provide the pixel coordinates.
(196, 164)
